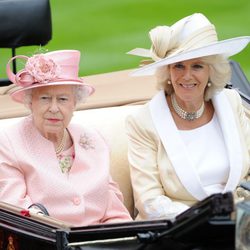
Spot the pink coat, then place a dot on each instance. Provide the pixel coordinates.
(30, 173)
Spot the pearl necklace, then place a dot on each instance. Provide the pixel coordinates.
(61, 146)
(189, 116)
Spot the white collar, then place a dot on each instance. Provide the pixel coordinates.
(176, 149)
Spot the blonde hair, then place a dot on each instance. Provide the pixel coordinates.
(219, 75)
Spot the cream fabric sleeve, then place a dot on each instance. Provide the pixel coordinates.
(244, 126)
(149, 195)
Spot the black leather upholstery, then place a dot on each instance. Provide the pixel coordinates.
(25, 22)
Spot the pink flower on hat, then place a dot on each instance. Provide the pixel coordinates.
(58, 67)
(43, 69)
(38, 69)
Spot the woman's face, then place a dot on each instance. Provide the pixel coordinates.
(52, 108)
(189, 79)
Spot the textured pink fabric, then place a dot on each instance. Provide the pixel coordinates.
(30, 173)
(58, 67)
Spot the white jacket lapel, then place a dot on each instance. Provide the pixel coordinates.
(229, 129)
(175, 146)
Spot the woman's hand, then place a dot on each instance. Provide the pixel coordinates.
(37, 208)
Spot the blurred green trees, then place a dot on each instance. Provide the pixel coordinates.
(104, 30)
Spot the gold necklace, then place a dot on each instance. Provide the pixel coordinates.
(190, 116)
(61, 146)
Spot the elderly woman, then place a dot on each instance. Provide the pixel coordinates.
(47, 160)
(192, 139)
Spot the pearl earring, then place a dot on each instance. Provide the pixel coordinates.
(169, 82)
(209, 84)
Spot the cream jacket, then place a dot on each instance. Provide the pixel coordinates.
(159, 164)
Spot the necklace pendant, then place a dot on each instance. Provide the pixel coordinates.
(190, 116)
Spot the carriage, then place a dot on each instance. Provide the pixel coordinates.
(209, 224)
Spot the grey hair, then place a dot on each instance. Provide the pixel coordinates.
(219, 75)
(81, 93)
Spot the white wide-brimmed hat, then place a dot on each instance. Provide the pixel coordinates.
(191, 37)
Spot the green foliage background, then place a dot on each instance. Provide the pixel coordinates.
(104, 30)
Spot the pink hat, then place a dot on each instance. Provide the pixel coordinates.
(53, 68)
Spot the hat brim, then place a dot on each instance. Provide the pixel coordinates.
(18, 94)
(227, 48)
